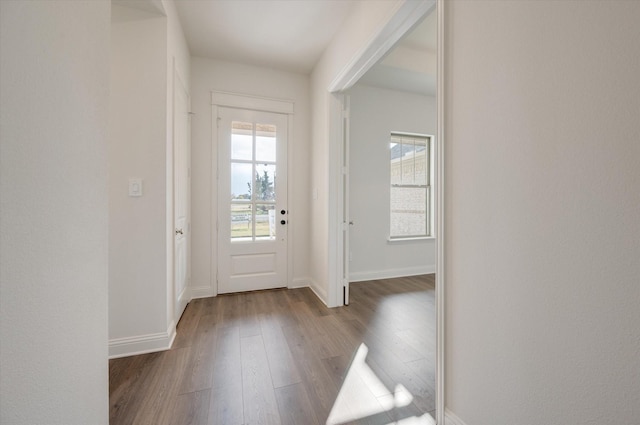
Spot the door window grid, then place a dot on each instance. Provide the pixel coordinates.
(253, 181)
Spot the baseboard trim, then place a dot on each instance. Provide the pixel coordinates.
(303, 282)
(450, 418)
(202, 292)
(142, 344)
(321, 293)
(391, 273)
(207, 291)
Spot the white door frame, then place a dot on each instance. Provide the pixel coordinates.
(404, 18)
(346, 224)
(254, 103)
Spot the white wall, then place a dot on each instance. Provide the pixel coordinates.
(375, 113)
(144, 47)
(358, 29)
(137, 148)
(54, 80)
(208, 75)
(542, 212)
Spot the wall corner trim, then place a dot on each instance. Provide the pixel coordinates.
(300, 282)
(321, 293)
(142, 344)
(204, 291)
(450, 418)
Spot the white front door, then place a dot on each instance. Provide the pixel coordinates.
(252, 200)
(181, 164)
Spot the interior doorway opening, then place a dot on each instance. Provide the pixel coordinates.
(342, 115)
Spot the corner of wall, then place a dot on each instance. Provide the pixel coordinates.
(142, 344)
(203, 291)
(451, 419)
(320, 291)
(300, 282)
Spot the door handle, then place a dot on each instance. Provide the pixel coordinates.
(179, 232)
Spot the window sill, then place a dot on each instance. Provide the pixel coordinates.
(413, 239)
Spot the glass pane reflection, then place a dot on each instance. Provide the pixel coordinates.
(265, 182)
(241, 181)
(265, 221)
(265, 142)
(241, 222)
(241, 140)
(408, 211)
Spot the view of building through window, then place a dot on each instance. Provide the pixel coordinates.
(410, 185)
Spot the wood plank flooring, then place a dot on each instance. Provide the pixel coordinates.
(281, 357)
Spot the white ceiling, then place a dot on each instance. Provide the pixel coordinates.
(291, 35)
(288, 35)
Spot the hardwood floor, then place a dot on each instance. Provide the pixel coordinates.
(281, 357)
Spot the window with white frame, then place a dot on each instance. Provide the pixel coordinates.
(410, 192)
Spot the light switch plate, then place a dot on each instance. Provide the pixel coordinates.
(135, 187)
